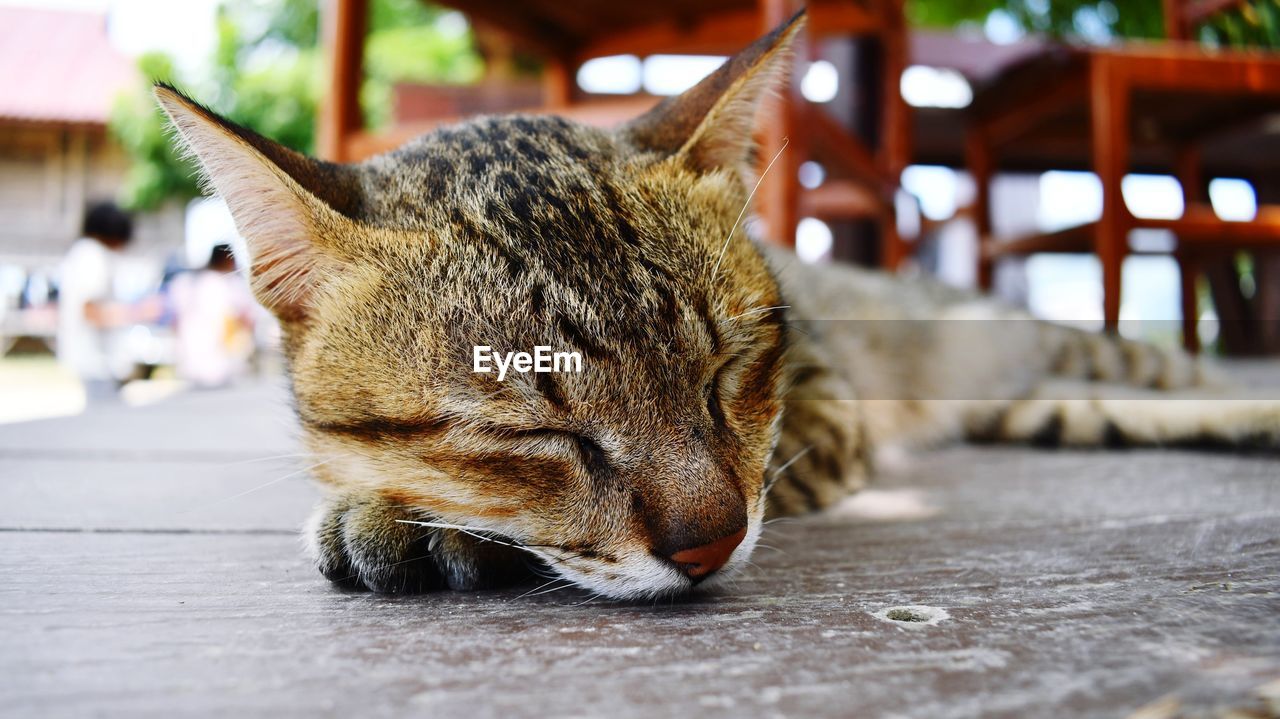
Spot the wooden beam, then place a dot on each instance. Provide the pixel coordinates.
(724, 33)
(1030, 111)
(841, 200)
(530, 31)
(718, 34)
(1074, 239)
(601, 113)
(345, 24)
(1200, 229)
(840, 17)
(1183, 67)
(841, 151)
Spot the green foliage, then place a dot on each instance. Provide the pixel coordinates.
(423, 53)
(1256, 25)
(156, 171)
(266, 73)
(391, 14)
(1072, 19)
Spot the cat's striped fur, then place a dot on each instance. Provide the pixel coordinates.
(712, 373)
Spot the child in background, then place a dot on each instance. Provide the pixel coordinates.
(214, 321)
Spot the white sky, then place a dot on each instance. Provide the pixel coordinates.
(184, 29)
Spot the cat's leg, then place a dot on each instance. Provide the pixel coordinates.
(822, 451)
(1096, 357)
(819, 459)
(1110, 391)
(363, 539)
(1090, 414)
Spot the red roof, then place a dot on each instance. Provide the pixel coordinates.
(58, 66)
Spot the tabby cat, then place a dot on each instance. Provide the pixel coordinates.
(721, 382)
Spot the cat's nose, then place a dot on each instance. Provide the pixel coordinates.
(698, 562)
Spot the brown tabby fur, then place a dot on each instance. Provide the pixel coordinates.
(710, 372)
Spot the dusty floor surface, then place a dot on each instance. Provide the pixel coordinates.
(151, 568)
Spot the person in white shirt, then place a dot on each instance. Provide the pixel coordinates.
(88, 313)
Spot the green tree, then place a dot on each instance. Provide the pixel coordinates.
(1257, 23)
(266, 73)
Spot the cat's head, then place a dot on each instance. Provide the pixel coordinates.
(636, 476)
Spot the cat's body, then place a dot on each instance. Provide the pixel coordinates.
(708, 375)
(879, 362)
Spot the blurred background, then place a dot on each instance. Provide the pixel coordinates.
(1101, 162)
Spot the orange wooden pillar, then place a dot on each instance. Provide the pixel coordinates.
(558, 79)
(895, 127)
(978, 155)
(1187, 166)
(778, 200)
(345, 22)
(1109, 111)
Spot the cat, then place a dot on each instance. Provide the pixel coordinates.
(722, 381)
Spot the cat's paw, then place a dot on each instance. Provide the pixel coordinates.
(365, 541)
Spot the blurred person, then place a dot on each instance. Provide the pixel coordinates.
(213, 317)
(90, 317)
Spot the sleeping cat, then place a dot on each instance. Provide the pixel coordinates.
(721, 382)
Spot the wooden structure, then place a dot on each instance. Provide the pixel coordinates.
(1162, 100)
(55, 153)
(863, 176)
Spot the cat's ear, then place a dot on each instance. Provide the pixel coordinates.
(288, 207)
(712, 125)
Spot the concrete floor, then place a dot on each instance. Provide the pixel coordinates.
(152, 568)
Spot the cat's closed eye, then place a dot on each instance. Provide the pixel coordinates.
(714, 407)
(593, 455)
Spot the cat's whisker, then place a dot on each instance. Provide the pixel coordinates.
(777, 473)
(589, 599)
(264, 485)
(539, 590)
(475, 532)
(756, 311)
(483, 535)
(725, 248)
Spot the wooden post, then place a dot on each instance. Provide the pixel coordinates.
(344, 23)
(1175, 25)
(1187, 166)
(1109, 113)
(978, 156)
(558, 79)
(895, 126)
(779, 197)
(1188, 272)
